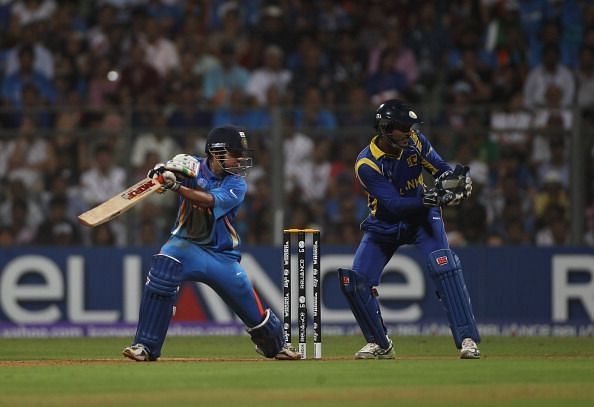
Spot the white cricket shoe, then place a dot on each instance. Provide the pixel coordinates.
(286, 353)
(469, 350)
(374, 351)
(138, 352)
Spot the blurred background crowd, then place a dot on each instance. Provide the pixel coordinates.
(94, 93)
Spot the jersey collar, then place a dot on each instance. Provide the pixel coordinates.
(378, 153)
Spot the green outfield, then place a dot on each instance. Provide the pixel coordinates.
(213, 371)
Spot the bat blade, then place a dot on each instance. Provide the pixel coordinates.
(119, 204)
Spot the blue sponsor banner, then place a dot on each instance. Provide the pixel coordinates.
(96, 292)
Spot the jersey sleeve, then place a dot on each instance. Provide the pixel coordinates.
(372, 179)
(229, 195)
(430, 159)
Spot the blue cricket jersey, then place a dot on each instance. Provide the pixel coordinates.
(212, 228)
(394, 183)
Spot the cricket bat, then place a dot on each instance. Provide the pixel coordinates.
(120, 203)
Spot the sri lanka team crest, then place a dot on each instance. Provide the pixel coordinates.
(412, 160)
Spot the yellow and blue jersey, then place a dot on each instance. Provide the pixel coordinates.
(212, 228)
(394, 183)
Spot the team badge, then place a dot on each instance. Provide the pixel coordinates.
(412, 160)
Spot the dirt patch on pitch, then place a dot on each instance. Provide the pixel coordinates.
(71, 362)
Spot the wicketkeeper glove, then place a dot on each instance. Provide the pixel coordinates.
(431, 198)
(454, 186)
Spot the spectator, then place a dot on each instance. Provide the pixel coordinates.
(270, 74)
(429, 40)
(138, 76)
(241, 113)
(549, 72)
(554, 231)
(18, 198)
(388, 82)
(103, 235)
(310, 70)
(405, 60)
(156, 140)
(313, 115)
(30, 156)
(551, 193)
(510, 126)
(232, 31)
(160, 52)
(221, 80)
(29, 11)
(188, 111)
(104, 179)
(13, 84)
(6, 237)
(476, 74)
(103, 83)
(348, 65)
(31, 36)
(57, 229)
(357, 111)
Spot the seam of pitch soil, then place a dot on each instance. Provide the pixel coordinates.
(67, 362)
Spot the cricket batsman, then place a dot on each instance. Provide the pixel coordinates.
(204, 247)
(402, 210)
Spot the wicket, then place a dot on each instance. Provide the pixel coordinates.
(302, 296)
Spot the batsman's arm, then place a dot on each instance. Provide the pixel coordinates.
(201, 198)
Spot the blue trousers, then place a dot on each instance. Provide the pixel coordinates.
(220, 272)
(375, 250)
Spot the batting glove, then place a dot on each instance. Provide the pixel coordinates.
(157, 170)
(169, 181)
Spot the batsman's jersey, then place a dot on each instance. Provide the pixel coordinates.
(212, 228)
(394, 183)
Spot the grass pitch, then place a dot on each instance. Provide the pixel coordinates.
(213, 371)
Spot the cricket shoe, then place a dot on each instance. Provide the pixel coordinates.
(469, 350)
(286, 353)
(138, 352)
(374, 351)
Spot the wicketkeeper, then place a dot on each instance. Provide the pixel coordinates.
(203, 247)
(402, 210)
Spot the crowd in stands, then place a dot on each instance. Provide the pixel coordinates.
(94, 93)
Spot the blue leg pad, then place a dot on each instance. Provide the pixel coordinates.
(158, 300)
(446, 271)
(268, 335)
(365, 307)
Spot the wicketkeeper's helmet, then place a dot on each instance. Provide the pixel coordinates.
(395, 114)
(232, 140)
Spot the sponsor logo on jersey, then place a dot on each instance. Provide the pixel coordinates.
(346, 280)
(138, 190)
(442, 260)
